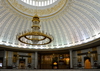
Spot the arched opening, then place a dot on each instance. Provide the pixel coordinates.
(87, 63)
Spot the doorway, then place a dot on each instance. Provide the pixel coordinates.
(21, 63)
(87, 63)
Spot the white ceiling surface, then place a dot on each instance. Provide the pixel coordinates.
(78, 23)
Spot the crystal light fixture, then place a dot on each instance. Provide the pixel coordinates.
(35, 36)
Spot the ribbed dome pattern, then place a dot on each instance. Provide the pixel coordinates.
(77, 23)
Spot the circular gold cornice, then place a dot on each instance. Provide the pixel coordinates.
(42, 13)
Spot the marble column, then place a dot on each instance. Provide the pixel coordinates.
(98, 52)
(10, 55)
(4, 60)
(71, 65)
(36, 60)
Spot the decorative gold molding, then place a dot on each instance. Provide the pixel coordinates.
(15, 57)
(30, 58)
(95, 57)
(79, 57)
(42, 13)
(94, 49)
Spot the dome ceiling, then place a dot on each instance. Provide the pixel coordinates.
(42, 11)
(39, 2)
(73, 24)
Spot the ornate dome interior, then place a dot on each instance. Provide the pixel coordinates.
(71, 22)
(39, 2)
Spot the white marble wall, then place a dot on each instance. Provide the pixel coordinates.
(83, 51)
(10, 55)
(10, 63)
(33, 61)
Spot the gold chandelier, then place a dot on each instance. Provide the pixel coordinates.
(35, 36)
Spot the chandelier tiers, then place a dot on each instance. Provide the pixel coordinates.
(35, 36)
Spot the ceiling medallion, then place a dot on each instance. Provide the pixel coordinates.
(35, 36)
(43, 11)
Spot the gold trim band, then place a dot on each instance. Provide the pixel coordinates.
(40, 16)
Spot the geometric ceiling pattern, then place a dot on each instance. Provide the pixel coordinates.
(77, 23)
(39, 2)
(42, 11)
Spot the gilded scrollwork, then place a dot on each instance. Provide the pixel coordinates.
(41, 12)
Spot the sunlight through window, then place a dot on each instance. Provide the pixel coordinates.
(39, 2)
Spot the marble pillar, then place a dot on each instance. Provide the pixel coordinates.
(71, 65)
(36, 60)
(4, 60)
